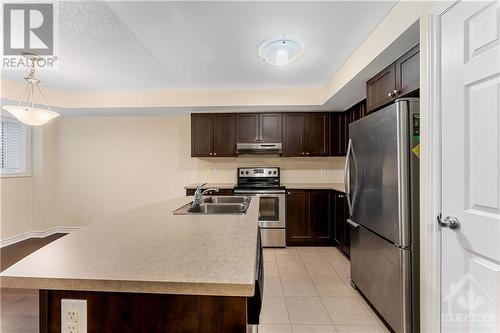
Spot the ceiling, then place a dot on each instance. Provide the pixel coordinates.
(132, 45)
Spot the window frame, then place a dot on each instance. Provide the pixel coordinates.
(28, 152)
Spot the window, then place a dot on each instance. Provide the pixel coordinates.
(15, 148)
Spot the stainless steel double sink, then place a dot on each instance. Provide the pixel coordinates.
(217, 205)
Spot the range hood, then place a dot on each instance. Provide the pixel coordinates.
(259, 148)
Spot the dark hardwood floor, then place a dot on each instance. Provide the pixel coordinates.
(19, 307)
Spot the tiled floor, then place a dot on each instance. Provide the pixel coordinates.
(307, 289)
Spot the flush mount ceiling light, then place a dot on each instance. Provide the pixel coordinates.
(25, 111)
(281, 51)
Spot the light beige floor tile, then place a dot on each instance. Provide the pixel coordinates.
(292, 269)
(359, 329)
(269, 255)
(319, 269)
(332, 286)
(347, 310)
(274, 310)
(272, 286)
(307, 310)
(275, 328)
(339, 261)
(298, 286)
(271, 269)
(344, 273)
(313, 329)
(287, 255)
(316, 253)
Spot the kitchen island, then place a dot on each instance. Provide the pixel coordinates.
(147, 270)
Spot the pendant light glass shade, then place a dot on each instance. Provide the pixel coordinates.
(31, 116)
(25, 111)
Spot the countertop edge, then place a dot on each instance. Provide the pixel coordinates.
(149, 287)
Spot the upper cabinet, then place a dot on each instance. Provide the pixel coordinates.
(399, 79)
(259, 128)
(306, 134)
(213, 135)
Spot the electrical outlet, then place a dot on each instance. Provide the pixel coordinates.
(74, 316)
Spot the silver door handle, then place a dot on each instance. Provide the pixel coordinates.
(347, 176)
(352, 223)
(448, 222)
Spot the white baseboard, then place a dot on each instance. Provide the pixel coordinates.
(37, 234)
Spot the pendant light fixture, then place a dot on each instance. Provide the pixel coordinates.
(25, 111)
(281, 51)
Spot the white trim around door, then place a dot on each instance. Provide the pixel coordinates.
(430, 284)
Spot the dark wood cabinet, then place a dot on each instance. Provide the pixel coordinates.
(213, 135)
(408, 72)
(306, 134)
(201, 135)
(340, 216)
(308, 218)
(298, 222)
(397, 80)
(317, 134)
(337, 134)
(321, 223)
(380, 88)
(270, 127)
(259, 128)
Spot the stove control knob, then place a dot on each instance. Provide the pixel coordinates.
(246, 172)
(269, 172)
(242, 172)
(274, 172)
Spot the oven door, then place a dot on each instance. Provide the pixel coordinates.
(271, 208)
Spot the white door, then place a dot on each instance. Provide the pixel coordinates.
(470, 92)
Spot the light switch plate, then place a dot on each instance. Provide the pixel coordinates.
(73, 316)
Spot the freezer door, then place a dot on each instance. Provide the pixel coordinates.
(382, 272)
(378, 173)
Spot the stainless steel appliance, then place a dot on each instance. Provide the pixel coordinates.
(382, 189)
(264, 184)
(259, 148)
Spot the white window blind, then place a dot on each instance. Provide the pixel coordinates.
(14, 154)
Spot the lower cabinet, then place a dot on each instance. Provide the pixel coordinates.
(340, 216)
(309, 220)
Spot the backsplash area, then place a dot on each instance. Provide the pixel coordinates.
(293, 170)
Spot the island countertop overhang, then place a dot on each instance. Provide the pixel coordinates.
(149, 250)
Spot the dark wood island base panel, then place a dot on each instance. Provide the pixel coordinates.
(138, 312)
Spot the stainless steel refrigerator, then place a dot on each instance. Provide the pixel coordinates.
(382, 190)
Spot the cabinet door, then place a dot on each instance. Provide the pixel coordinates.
(224, 135)
(320, 218)
(201, 134)
(337, 134)
(339, 227)
(379, 88)
(293, 134)
(317, 134)
(408, 72)
(298, 222)
(270, 127)
(247, 127)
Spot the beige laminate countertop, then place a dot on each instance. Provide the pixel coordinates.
(208, 185)
(315, 186)
(149, 250)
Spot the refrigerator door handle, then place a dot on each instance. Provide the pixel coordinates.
(352, 223)
(347, 177)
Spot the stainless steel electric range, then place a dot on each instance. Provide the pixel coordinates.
(264, 183)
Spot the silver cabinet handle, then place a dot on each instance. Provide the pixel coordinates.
(215, 154)
(448, 222)
(307, 154)
(390, 94)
